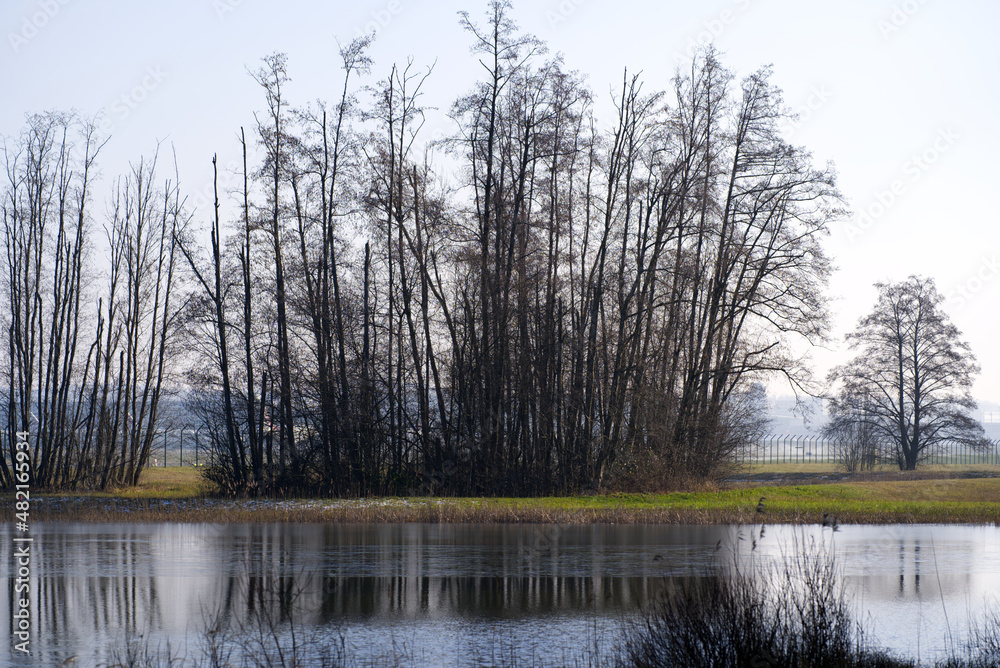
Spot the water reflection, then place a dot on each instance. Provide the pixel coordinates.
(93, 585)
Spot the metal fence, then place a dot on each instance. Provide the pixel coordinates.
(180, 447)
(192, 447)
(788, 449)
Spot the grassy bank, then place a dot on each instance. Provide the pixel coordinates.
(180, 495)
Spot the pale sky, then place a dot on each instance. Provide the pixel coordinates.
(902, 95)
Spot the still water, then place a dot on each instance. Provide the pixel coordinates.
(460, 594)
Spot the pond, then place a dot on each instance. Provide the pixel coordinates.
(475, 594)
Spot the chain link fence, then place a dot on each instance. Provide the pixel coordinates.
(789, 449)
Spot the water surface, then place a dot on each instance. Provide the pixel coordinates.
(471, 594)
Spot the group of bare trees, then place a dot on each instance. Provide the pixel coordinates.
(537, 301)
(566, 305)
(86, 349)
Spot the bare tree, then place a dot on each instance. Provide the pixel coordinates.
(140, 320)
(914, 373)
(46, 228)
(215, 292)
(322, 163)
(853, 434)
(272, 76)
(759, 269)
(574, 300)
(92, 408)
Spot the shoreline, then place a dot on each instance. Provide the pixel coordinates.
(802, 497)
(619, 509)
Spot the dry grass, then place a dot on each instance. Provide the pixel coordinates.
(170, 482)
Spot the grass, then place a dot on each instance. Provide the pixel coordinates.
(951, 500)
(170, 482)
(179, 494)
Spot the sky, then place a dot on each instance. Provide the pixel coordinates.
(901, 95)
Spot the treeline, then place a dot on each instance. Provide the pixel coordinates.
(561, 306)
(86, 351)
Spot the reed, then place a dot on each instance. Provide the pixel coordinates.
(791, 614)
